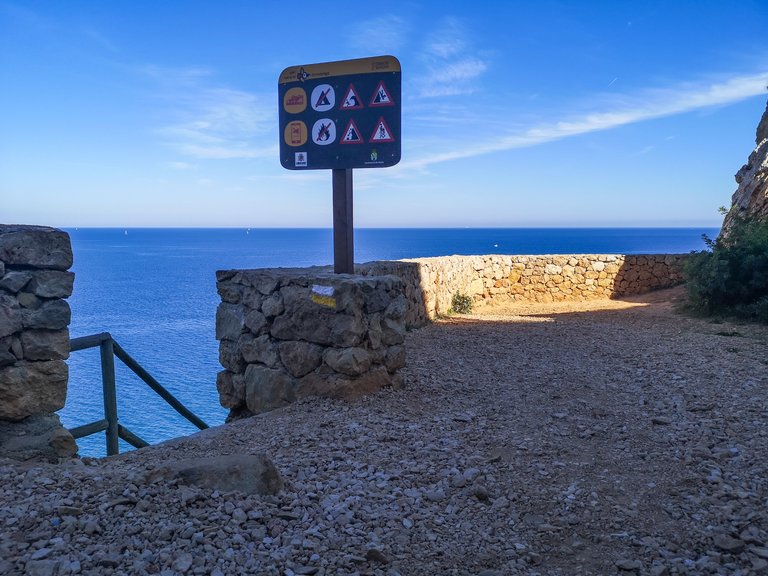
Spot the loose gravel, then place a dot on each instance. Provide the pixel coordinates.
(609, 438)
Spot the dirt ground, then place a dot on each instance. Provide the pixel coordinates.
(596, 438)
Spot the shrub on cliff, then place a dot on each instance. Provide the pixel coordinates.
(461, 303)
(731, 277)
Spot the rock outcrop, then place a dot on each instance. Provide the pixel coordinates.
(750, 201)
(34, 341)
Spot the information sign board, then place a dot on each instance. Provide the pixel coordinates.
(340, 115)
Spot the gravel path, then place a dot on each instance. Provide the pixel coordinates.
(607, 438)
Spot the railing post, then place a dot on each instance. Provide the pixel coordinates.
(110, 395)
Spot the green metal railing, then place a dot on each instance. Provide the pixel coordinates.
(110, 423)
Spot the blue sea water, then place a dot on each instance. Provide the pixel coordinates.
(154, 290)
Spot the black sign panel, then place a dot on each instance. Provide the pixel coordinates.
(340, 114)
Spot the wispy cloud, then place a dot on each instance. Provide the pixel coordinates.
(214, 122)
(647, 105)
(452, 65)
(382, 35)
(181, 165)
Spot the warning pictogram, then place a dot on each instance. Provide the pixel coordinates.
(382, 97)
(381, 133)
(352, 134)
(324, 132)
(323, 98)
(352, 100)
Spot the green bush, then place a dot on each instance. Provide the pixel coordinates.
(461, 303)
(731, 277)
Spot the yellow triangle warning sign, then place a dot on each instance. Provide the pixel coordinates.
(381, 133)
(351, 100)
(382, 97)
(352, 134)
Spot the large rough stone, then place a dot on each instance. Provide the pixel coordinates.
(6, 352)
(28, 388)
(45, 344)
(51, 315)
(229, 292)
(395, 358)
(267, 388)
(393, 323)
(15, 280)
(40, 438)
(256, 322)
(230, 356)
(52, 284)
(259, 350)
(246, 473)
(272, 306)
(35, 246)
(231, 389)
(230, 321)
(349, 361)
(300, 358)
(29, 300)
(10, 316)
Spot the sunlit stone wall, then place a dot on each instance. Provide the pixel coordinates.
(430, 283)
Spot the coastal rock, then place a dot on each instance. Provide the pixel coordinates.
(249, 474)
(262, 350)
(38, 437)
(750, 201)
(15, 280)
(29, 388)
(230, 321)
(35, 246)
(7, 355)
(272, 306)
(300, 358)
(10, 316)
(395, 358)
(267, 388)
(349, 361)
(45, 344)
(51, 315)
(52, 284)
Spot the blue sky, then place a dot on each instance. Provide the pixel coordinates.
(540, 113)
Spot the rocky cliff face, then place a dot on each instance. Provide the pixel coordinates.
(751, 197)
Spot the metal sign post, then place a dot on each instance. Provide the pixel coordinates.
(340, 116)
(343, 229)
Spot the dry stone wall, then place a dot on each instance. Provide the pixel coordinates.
(34, 341)
(289, 333)
(430, 283)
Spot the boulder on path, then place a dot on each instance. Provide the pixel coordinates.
(246, 473)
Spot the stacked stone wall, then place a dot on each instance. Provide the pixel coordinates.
(289, 333)
(34, 341)
(431, 283)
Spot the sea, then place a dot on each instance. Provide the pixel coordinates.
(154, 290)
